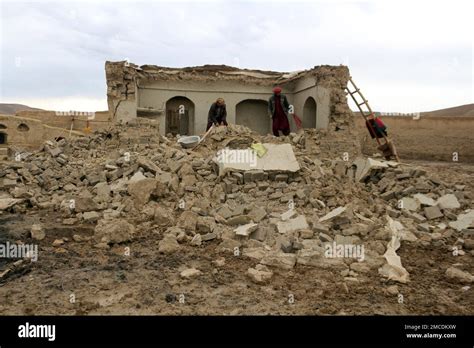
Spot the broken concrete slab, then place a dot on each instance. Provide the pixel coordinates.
(332, 214)
(424, 200)
(279, 158)
(366, 167)
(463, 221)
(432, 213)
(293, 225)
(448, 201)
(245, 230)
(409, 203)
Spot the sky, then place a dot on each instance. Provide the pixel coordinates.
(406, 56)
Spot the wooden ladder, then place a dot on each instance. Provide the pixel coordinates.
(388, 148)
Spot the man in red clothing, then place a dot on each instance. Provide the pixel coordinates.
(278, 109)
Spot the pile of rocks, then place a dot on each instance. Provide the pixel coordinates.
(127, 180)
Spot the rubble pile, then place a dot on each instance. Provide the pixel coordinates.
(345, 215)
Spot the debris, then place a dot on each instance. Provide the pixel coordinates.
(260, 274)
(37, 232)
(448, 201)
(190, 273)
(432, 213)
(168, 244)
(424, 200)
(245, 230)
(292, 225)
(459, 276)
(332, 214)
(463, 221)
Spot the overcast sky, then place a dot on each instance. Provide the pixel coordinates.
(406, 56)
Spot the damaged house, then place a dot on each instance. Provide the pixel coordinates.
(180, 98)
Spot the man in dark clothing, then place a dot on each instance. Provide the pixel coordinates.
(217, 114)
(278, 109)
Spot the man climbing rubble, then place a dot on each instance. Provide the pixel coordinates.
(217, 114)
(278, 109)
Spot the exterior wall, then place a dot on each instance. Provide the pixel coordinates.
(36, 134)
(51, 118)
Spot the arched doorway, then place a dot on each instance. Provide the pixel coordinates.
(309, 113)
(179, 116)
(253, 113)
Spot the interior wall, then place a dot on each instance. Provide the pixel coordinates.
(253, 114)
(309, 113)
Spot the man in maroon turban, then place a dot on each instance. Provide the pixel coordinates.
(278, 109)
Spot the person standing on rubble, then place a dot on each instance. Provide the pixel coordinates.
(278, 107)
(217, 114)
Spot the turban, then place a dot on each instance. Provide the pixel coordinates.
(277, 90)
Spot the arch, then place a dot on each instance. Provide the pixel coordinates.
(309, 113)
(253, 113)
(179, 116)
(2, 126)
(3, 138)
(23, 127)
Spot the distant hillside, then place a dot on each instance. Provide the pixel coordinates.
(456, 111)
(10, 109)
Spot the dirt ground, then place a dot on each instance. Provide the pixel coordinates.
(78, 279)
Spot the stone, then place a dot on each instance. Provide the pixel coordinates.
(168, 244)
(91, 216)
(37, 232)
(464, 221)
(238, 220)
(113, 231)
(409, 203)
(448, 201)
(260, 274)
(280, 260)
(245, 230)
(188, 221)
(306, 234)
(366, 167)
(286, 246)
(393, 212)
(259, 234)
(392, 290)
(141, 191)
(432, 213)
(331, 215)
(288, 214)
(256, 253)
(208, 236)
(424, 200)
(293, 225)
(424, 227)
(58, 242)
(197, 240)
(6, 203)
(257, 214)
(161, 216)
(455, 274)
(190, 273)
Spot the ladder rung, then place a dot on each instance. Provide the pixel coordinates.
(364, 102)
